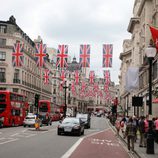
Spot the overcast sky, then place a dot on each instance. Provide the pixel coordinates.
(75, 22)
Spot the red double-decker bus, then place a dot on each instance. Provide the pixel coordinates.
(48, 111)
(13, 107)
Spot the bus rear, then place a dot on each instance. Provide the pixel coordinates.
(13, 108)
(45, 112)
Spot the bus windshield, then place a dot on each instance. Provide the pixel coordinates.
(43, 107)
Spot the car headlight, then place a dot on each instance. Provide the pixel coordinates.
(76, 127)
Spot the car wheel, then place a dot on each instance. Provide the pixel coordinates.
(59, 133)
(83, 132)
(79, 133)
(24, 125)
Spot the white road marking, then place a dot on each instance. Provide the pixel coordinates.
(8, 140)
(69, 152)
(14, 134)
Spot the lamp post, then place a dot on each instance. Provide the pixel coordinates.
(65, 107)
(150, 53)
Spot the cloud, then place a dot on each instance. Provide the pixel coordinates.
(72, 22)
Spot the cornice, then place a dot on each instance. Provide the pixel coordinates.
(133, 21)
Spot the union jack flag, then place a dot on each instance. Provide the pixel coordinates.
(62, 56)
(107, 55)
(46, 76)
(77, 77)
(100, 93)
(62, 75)
(96, 87)
(83, 89)
(85, 55)
(106, 88)
(83, 86)
(90, 92)
(40, 54)
(108, 97)
(107, 76)
(91, 77)
(17, 55)
(73, 90)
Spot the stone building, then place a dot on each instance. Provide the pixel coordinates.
(145, 13)
(27, 79)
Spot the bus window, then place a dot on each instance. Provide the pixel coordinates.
(20, 98)
(2, 97)
(2, 108)
(17, 112)
(13, 96)
(13, 112)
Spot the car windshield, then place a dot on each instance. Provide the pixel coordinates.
(70, 120)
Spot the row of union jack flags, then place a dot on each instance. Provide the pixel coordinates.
(62, 55)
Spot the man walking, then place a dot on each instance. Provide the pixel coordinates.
(141, 131)
(130, 134)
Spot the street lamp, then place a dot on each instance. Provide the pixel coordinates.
(65, 107)
(150, 53)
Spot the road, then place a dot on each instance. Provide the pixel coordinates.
(20, 142)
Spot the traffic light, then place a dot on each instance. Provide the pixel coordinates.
(37, 96)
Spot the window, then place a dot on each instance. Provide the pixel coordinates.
(155, 66)
(15, 90)
(2, 56)
(2, 75)
(3, 29)
(16, 74)
(54, 91)
(2, 42)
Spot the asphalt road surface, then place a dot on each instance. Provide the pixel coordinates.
(20, 142)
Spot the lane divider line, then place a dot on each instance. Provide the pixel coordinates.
(70, 151)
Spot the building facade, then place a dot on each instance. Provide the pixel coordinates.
(26, 79)
(145, 13)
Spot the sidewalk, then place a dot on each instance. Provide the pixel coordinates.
(139, 151)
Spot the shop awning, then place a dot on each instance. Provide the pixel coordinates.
(155, 100)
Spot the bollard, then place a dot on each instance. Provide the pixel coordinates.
(150, 140)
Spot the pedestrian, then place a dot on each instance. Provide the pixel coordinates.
(156, 130)
(141, 126)
(37, 123)
(146, 124)
(117, 126)
(130, 134)
(135, 121)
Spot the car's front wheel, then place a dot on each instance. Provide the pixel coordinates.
(79, 132)
(59, 133)
(83, 132)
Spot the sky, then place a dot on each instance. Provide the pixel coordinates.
(75, 22)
